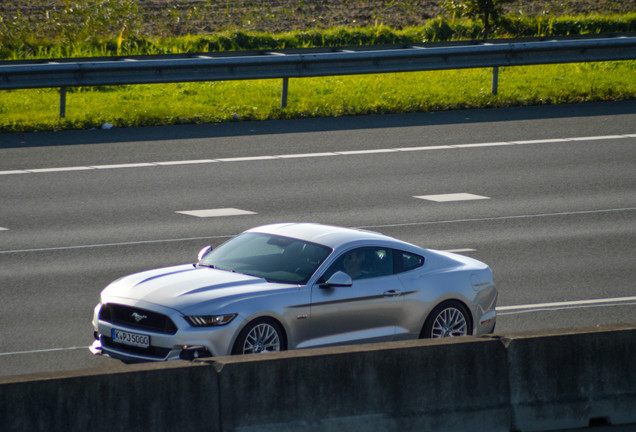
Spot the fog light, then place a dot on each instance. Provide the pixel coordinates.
(191, 352)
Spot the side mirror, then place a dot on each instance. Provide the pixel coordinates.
(203, 252)
(338, 279)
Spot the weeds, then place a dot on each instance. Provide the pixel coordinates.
(162, 104)
(85, 28)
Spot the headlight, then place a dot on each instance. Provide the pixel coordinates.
(209, 320)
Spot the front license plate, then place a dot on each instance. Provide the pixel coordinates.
(132, 339)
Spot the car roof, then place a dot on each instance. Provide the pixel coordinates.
(328, 235)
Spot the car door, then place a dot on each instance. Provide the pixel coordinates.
(366, 311)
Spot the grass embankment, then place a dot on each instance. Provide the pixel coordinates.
(160, 104)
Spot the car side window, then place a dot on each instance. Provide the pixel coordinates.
(406, 261)
(363, 263)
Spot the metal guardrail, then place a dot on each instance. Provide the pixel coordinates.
(309, 63)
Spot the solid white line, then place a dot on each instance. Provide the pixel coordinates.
(246, 159)
(42, 351)
(557, 306)
(584, 212)
(127, 165)
(496, 218)
(544, 141)
(494, 144)
(304, 155)
(49, 249)
(14, 172)
(324, 154)
(62, 169)
(424, 148)
(185, 162)
(599, 138)
(567, 303)
(501, 311)
(361, 152)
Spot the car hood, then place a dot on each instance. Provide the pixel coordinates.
(187, 287)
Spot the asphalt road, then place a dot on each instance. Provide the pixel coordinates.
(551, 208)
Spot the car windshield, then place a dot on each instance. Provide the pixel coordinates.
(275, 258)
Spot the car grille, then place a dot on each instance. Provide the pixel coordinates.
(128, 316)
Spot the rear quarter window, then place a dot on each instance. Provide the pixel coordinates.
(405, 261)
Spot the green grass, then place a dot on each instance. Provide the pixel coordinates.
(19, 42)
(161, 104)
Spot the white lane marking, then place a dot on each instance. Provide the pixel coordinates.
(557, 306)
(62, 169)
(304, 155)
(451, 197)
(133, 243)
(461, 250)
(308, 155)
(493, 144)
(42, 351)
(541, 141)
(424, 148)
(126, 165)
(186, 162)
(501, 311)
(14, 172)
(220, 212)
(576, 213)
(246, 159)
(359, 152)
(4, 229)
(599, 138)
(497, 218)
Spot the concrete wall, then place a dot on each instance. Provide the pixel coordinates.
(152, 397)
(423, 385)
(524, 382)
(568, 379)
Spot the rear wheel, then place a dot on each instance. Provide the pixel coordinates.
(449, 319)
(260, 336)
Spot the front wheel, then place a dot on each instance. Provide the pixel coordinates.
(260, 336)
(449, 319)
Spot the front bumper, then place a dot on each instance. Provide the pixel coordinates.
(185, 352)
(186, 342)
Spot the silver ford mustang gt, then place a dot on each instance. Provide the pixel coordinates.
(289, 286)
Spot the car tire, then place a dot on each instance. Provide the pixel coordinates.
(448, 319)
(263, 335)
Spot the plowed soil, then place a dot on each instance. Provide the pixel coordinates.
(177, 17)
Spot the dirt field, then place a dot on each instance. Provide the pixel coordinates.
(175, 17)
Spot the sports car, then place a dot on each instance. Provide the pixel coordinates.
(290, 286)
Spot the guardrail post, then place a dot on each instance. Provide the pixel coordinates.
(62, 102)
(283, 99)
(495, 79)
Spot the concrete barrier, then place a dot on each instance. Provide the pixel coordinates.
(418, 385)
(572, 378)
(521, 382)
(150, 397)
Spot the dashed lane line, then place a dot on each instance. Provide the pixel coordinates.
(395, 225)
(323, 154)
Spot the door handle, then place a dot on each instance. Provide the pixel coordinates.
(391, 293)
